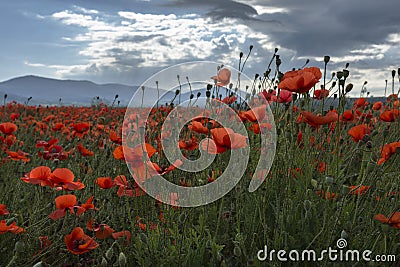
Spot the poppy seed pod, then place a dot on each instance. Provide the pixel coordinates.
(241, 54)
(339, 74)
(177, 92)
(327, 59)
(349, 87)
(5, 96)
(122, 259)
(198, 94)
(393, 73)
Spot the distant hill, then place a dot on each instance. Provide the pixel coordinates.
(46, 91)
(49, 91)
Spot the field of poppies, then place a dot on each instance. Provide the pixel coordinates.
(68, 198)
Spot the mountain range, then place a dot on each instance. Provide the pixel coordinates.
(47, 91)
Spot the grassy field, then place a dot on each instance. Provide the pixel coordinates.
(335, 175)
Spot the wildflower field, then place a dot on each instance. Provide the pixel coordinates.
(68, 197)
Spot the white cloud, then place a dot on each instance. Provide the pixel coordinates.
(138, 40)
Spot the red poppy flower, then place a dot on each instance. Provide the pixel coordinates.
(393, 220)
(198, 127)
(348, 115)
(84, 151)
(321, 94)
(3, 210)
(254, 114)
(223, 78)
(11, 228)
(39, 175)
(19, 155)
(125, 234)
(105, 182)
(358, 132)
(314, 120)
(360, 102)
(377, 105)
(387, 151)
(191, 144)
(224, 138)
(126, 189)
(115, 138)
(389, 115)
(62, 175)
(78, 243)
(8, 128)
(102, 231)
(64, 203)
(358, 190)
(300, 81)
(88, 205)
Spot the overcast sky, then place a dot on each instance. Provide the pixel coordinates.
(125, 41)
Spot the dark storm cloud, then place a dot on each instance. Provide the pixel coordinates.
(314, 28)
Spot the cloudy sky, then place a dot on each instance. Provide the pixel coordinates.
(125, 41)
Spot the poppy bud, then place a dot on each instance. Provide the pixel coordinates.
(208, 94)
(182, 217)
(191, 96)
(116, 96)
(143, 237)
(122, 259)
(251, 47)
(344, 234)
(347, 65)
(307, 205)
(10, 221)
(208, 244)
(393, 73)
(177, 92)
(19, 247)
(346, 73)
(103, 262)
(237, 251)
(219, 257)
(5, 96)
(38, 264)
(329, 180)
(276, 49)
(326, 59)
(109, 253)
(278, 61)
(345, 190)
(339, 74)
(198, 94)
(349, 87)
(369, 144)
